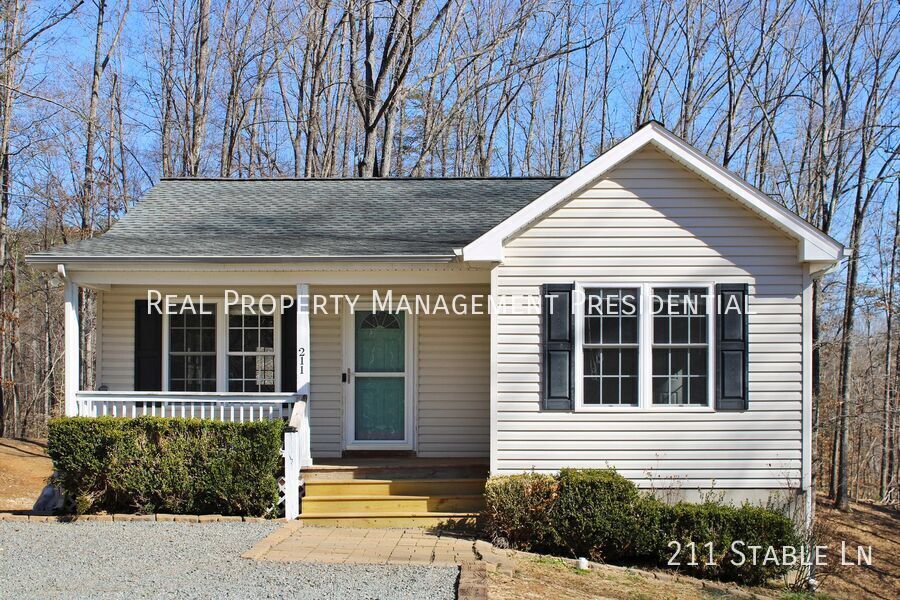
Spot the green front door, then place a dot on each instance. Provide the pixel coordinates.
(379, 386)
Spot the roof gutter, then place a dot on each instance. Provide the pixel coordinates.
(39, 260)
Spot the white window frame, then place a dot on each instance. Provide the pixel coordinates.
(580, 293)
(276, 332)
(221, 346)
(710, 347)
(645, 347)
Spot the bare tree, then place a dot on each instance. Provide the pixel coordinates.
(882, 74)
(886, 483)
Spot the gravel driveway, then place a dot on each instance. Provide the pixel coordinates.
(152, 560)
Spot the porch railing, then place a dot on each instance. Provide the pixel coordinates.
(222, 407)
(187, 405)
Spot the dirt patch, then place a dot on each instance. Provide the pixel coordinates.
(865, 525)
(24, 469)
(542, 578)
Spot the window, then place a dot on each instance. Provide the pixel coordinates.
(610, 347)
(680, 346)
(643, 345)
(208, 351)
(384, 320)
(192, 350)
(251, 351)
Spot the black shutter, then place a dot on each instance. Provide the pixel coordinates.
(147, 348)
(557, 347)
(289, 348)
(732, 347)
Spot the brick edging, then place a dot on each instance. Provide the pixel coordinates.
(473, 583)
(122, 518)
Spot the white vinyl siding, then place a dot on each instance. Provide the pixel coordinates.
(325, 387)
(651, 220)
(454, 385)
(117, 334)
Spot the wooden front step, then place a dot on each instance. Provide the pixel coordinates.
(393, 487)
(391, 504)
(398, 520)
(398, 493)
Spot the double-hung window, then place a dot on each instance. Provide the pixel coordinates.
(192, 350)
(611, 346)
(208, 352)
(680, 346)
(645, 346)
(251, 351)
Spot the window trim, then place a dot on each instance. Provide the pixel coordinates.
(579, 302)
(276, 346)
(221, 346)
(710, 347)
(645, 347)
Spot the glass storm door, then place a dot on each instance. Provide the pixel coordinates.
(379, 382)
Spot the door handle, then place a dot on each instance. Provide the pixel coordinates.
(345, 377)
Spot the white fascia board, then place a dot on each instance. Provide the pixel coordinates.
(813, 244)
(266, 277)
(39, 261)
(810, 251)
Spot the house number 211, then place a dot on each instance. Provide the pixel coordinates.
(301, 360)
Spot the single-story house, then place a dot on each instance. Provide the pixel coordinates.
(674, 391)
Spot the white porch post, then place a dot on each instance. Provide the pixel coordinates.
(292, 465)
(72, 350)
(303, 366)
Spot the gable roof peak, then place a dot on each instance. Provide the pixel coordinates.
(649, 122)
(814, 246)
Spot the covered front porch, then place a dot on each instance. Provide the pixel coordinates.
(349, 379)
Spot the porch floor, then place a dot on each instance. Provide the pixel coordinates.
(403, 467)
(393, 462)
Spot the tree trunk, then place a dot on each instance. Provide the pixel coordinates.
(198, 100)
(885, 479)
(87, 199)
(842, 491)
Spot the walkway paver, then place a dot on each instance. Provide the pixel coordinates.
(294, 542)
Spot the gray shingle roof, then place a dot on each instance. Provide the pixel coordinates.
(307, 218)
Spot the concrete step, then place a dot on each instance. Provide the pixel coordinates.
(391, 504)
(393, 487)
(404, 519)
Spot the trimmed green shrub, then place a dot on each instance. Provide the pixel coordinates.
(695, 526)
(181, 466)
(517, 510)
(601, 515)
